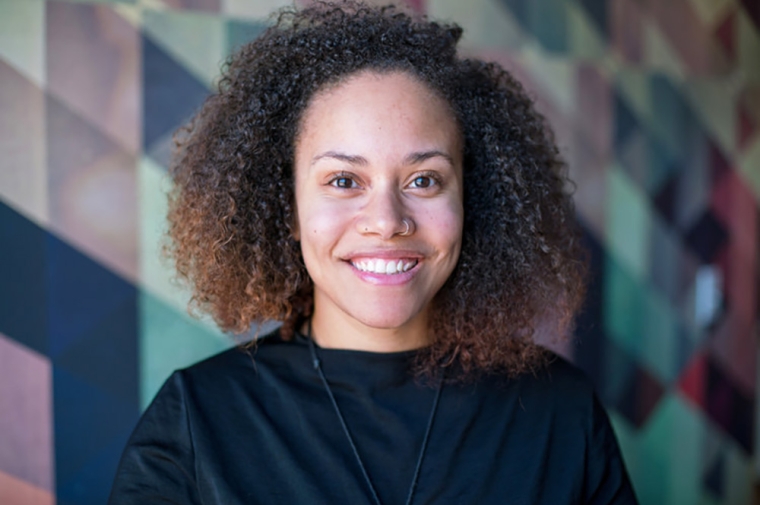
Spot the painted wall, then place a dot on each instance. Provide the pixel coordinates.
(656, 107)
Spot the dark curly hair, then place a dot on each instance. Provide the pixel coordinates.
(232, 210)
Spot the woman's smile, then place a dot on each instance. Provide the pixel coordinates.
(379, 199)
(389, 268)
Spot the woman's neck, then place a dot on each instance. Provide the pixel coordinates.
(340, 331)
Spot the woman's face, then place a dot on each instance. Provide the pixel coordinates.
(378, 165)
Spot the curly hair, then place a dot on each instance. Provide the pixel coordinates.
(232, 209)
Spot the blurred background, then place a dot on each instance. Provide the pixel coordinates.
(656, 108)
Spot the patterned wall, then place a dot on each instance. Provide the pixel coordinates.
(656, 105)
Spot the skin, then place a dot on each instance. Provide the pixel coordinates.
(376, 152)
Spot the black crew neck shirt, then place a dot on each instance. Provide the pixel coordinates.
(257, 427)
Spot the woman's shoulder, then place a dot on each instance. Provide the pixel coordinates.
(558, 386)
(560, 378)
(244, 362)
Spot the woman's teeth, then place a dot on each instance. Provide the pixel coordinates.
(387, 267)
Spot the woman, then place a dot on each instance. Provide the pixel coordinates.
(403, 212)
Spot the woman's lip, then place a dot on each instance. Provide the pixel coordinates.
(396, 254)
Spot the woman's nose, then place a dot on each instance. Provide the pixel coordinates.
(384, 214)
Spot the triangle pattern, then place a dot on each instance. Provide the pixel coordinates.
(656, 109)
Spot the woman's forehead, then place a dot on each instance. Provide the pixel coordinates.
(380, 112)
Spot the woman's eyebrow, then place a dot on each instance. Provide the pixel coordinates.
(411, 159)
(348, 158)
(419, 157)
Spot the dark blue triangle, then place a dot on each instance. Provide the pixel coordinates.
(106, 354)
(730, 407)
(82, 292)
(519, 10)
(661, 165)
(23, 280)
(625, 123)
(665, 200)
(87, 420)
(92, 483)
(548, 24)
(707, 236)
(597, 11)
(674, 115)
(170, 93)
(714, 478)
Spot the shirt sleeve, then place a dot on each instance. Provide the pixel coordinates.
(157, 465)
(607, 481)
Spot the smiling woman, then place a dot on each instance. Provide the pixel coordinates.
(404, 213)
(378, 166)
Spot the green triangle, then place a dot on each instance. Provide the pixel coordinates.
(22, 37)
(671, 443)
(585, 41)
(170, 340)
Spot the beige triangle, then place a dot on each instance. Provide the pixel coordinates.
(194, 39)
(22, 37)
(711, 11)
(585, 39)
(713, 100)
(132, 13)
(658, 53)
(633, 84)
(23, 166)
(555, 75)
(153, 4)
(748, 47)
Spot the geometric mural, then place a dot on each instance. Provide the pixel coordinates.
(656, 108)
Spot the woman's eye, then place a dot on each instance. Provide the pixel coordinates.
(343, 182)
(423, 181)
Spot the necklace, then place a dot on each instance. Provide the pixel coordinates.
(423, 448)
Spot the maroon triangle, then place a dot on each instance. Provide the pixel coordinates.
(746, 128)
(692, 380)
(719, 164)
(725, 33)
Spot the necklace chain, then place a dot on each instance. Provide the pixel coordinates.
(318, 367)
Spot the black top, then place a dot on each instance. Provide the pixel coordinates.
(258, 427)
